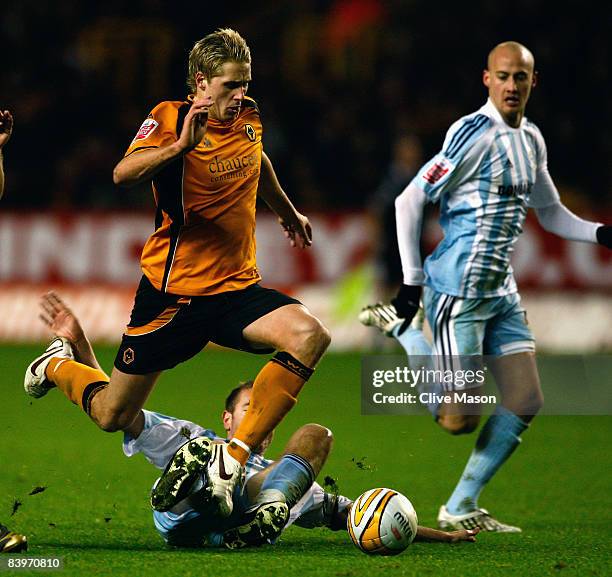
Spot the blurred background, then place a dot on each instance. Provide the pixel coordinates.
(355, 95)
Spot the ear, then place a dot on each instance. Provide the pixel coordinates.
(226, 417)
(200, 80)
(534, 81)
(486, 77)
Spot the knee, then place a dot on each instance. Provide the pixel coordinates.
(318, 334)
(113, 420)
(459, 424)
(526, 405)
(311, 335)
(313, 443)
(319, 432)
(316, 435)
(531, 404)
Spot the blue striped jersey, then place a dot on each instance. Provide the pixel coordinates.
(163, 435)
(485, 177)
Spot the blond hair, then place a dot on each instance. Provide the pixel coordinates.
(213, 51)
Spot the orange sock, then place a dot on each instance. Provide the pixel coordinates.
(274, 393)
(77, 381)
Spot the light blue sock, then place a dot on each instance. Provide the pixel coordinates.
(418, 349)
(292, 476)
(414, 342)
(496, 442)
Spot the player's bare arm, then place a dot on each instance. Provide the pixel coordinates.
(63, 323)
(6, 129)
(143, 165)
(296, 225)
(429, 534)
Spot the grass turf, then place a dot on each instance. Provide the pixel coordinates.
(94, 510)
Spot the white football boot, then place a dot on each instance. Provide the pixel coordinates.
(478, 518)
(36, 383)
(224, 474)
(182, 474)
(262, 524)
(384, 318)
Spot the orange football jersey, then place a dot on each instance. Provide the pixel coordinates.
(204, 239)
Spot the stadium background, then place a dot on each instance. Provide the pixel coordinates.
(353, 95)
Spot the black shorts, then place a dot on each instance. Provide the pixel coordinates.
(166, 329)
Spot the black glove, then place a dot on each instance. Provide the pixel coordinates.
(407, 304)
(604, 235)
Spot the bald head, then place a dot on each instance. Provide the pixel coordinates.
(508, 49)
(510, 76)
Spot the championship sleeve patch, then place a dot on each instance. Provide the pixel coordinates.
(437, 171)
(147, 127)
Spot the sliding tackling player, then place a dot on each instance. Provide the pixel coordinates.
(276, 494)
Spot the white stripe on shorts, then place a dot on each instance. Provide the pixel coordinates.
(517, 347)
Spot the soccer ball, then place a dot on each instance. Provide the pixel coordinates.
(382, 522)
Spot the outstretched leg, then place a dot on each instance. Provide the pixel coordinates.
(65, 324)
(278, 488)
(291, 476)
(301, 340)
(112, 403)
(412, 339)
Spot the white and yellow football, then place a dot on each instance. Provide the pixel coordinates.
(382, 522)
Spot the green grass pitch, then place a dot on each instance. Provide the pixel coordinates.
(94, 511)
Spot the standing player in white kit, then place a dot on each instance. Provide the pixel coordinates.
(492, 168)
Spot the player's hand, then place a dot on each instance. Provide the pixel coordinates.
(297, 230)
(6, 126)
(59, 318)
(463, 535)
(194, 125)
(407, 304)
(604, 235)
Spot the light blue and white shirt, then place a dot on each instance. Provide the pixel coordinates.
(163, 435)
(485, 178)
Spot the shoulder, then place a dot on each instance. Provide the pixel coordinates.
(168, 110)
(531, 128)
(170, 114)
(168, 106)
(535, 133)
(250, 109)
(249, 104)
(478, 118)
(463, 133)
